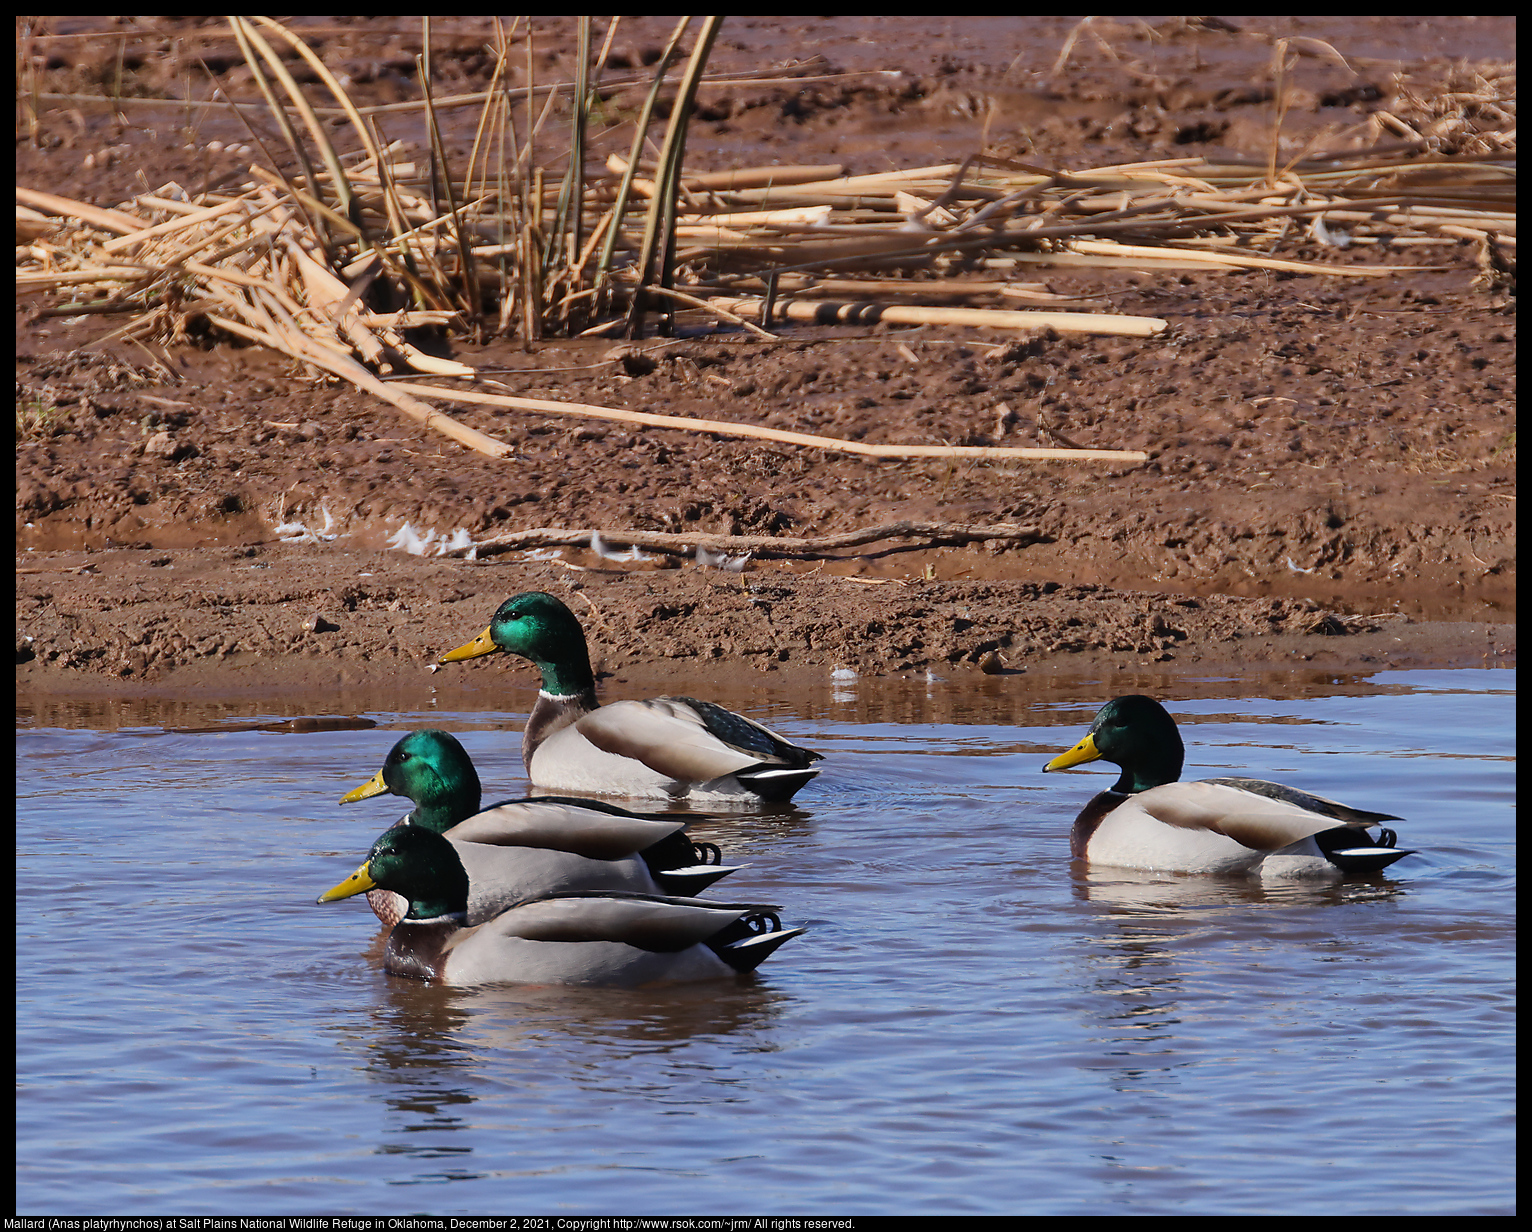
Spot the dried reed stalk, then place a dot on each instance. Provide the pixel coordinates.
(731, 181)
(659, 242)
(640, 132)
(828, 312)
(335, 360)
(722, 428)
(108, 220)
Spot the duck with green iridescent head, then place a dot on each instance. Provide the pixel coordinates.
(664, 747)
(591, 938)
(1149, 819)
(533, 847)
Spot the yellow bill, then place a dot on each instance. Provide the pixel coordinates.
(481, 645)
(375, 786)
(1083, 752)
(358, 883)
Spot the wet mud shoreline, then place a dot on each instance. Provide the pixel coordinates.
(304, 619)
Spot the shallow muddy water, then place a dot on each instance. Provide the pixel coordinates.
(970, 1026)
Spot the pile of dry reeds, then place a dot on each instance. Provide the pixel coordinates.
(334, 257)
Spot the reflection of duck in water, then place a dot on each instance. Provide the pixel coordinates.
(666, 746)
(611, 940)
(1150, 820)
(535, 847)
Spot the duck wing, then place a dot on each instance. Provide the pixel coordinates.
(647, 922)
(690, 740)
(584, 827)
(1333, 809)
(1261, 821)
(500, 877)
(613, 941)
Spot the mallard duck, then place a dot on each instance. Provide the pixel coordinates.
(667, 746)
(612, 940)
(1150, 820)
(530, 848)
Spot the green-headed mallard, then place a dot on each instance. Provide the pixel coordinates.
(1149, 820)
(534, 847)
(667, 746)
(611, 940)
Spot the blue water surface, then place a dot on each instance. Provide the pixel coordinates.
(971, 1024)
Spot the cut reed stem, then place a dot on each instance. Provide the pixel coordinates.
(721, 428)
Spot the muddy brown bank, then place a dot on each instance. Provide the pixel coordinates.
(1331, 462)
